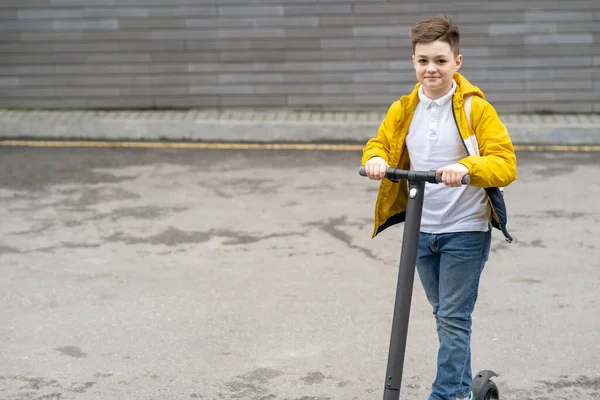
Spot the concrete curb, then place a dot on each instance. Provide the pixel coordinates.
(263, 126)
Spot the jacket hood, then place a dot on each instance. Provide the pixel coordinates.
(466, 88)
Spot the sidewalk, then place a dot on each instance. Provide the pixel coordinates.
(263, 126)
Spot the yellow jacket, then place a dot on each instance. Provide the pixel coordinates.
(491, 158)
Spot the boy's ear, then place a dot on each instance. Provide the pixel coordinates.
(458, 64)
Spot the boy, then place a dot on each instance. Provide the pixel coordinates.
(429, 130)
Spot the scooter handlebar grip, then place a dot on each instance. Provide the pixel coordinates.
(438, 178)
(465, 180)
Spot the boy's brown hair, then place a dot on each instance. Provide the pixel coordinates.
(437, 28)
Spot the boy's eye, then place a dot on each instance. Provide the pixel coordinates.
(441, 61)
(422, 61)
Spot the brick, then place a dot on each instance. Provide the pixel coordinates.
(543, 50)
(87, 91)
(474, 75)
(352, 88)
(386, 9)
(151, 46)
(185, 56)
(153, 91)
(354, 65)
(536, 16)
(521, 29)
(116, 12)
(98, 36)
(119, 103)
(559, 39)
(183, 34)
(41, 103)
(227, 78)
(118, 58)
(101, 24)
(559, 84)
(201, 11)
(469, 52)
(253, 55)
(254, 10)
(353, 20)
(7, 81)
(50, 58)
(325, 77)
(318, 32)
(494, 97)
(24, 4)
(220, 89)
(353, 43)
(317, 9)
(95, 81)
(49, 14)
(288, 89)
(304, 101)
(286, 44)
(43, 81)
(383, 76)
(577, 73)
(461, 19)
(339, 55)
(403, 31)
(174, 79)
(24, 70)
(21, 25)
(532, 62)
(82, 3)
(286, 22)
(251, 33)
(8, 14)
(85, 69)
(206, 23)
(152, 23)
(403, 65)
(580, 27)
(219, 44)
(27, 92)
(252, 101)
(491, 41)
(159, 3)
(187, 101)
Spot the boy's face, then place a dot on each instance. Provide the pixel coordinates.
(435, 65)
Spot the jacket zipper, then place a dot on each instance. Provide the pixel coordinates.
(458, 128)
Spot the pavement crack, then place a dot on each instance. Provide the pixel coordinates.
(333, 227)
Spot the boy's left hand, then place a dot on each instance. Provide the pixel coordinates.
(452, 174)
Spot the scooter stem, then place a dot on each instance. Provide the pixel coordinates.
(406, 274)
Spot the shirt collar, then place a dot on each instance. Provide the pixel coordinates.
(427, 102)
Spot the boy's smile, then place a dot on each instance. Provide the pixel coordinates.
(435, 64)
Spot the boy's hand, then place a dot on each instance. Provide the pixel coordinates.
(376, 167)
(452, 174)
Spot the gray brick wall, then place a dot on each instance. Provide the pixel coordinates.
(527, 56)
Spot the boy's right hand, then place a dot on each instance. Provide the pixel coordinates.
(376, 167)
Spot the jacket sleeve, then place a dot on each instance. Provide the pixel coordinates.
(379, 146)
(496, 166)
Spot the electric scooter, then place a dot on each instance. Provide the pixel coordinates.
(483, 387)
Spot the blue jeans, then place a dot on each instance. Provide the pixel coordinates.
(449, 267)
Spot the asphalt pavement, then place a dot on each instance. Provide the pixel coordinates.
(251, 274)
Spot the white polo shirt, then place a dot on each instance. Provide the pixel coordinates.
(433, 142)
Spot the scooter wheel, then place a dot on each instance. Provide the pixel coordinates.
(490, 391)
(484, 388)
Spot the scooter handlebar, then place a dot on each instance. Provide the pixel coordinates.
(395, 175)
